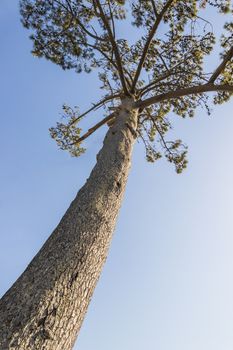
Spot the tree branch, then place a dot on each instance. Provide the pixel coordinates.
(96, 106)
(149, 39)
(114, 46)
(70, 10)
(154, 84)
(182, 92)
(93, 129)
(221, 67)
(160, 134)
(154, 8)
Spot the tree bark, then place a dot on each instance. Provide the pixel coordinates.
(45, 307)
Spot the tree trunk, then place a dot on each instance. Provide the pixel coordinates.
(45, 307)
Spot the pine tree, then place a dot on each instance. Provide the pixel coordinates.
(162, 73)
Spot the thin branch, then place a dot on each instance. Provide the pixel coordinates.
(221, 67)
(96, 106)
(171, 72)
(148, 42)
(112, 20)
(162, 77)
(143, 139)
(94, 36)
(93, 129)
(110, 60)
(163, 61)
(70, 10)
(103, 54)
(182, 92)
(170, 84)
(114, 46)
(154, 86)
(161, 135)
(154, 8)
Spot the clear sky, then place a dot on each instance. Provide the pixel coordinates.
(167, 283)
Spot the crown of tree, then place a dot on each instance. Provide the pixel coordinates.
(164, 70)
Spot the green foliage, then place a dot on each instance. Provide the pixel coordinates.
(67, 134)
(227, 76)
(61, 32)
(176, 153)
(170, 54)
(224, 6)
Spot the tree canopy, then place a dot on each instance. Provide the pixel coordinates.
(164, 70)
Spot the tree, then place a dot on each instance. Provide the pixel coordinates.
(145, 82)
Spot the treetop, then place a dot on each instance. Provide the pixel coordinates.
(164, 70)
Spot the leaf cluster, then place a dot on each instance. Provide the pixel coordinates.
(67, 134)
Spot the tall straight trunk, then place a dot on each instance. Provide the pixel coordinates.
(45, 307)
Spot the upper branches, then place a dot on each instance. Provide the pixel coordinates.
(165, 69)
(158, 19)
(172, 95)
(77, 35)
(111, 34)
(220, 69)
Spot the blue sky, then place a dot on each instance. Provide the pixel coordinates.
(167, 283)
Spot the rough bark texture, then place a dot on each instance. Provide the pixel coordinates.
(45, 307)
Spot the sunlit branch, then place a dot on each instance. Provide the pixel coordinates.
(96, 106)
(221, 67)
(182, 92)
(93, 129)
(148, 42)
(171, 72)
(114, 46)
